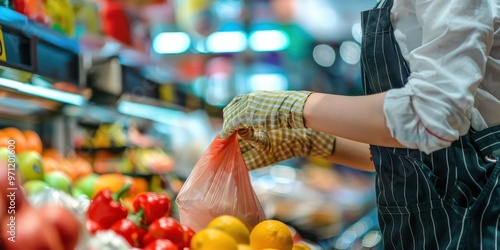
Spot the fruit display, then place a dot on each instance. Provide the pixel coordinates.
(147, 223)
(114, 148)
(105, 136)
(24, 226)
(123, 210)
(20, 140)
(229, 232)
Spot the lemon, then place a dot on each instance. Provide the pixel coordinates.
(271, 234)
(244, 247)
(213, 239)
(300, 246)
(232, 226)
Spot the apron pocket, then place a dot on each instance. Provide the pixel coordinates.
(434, 223)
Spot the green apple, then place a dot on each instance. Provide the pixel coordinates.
(30, 166)
(76, 192)
(8, 155)
(4, 154)
(86, 184)
(58, 180)
(32, 187)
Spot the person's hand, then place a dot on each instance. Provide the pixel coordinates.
(264, 111)
(263, 149)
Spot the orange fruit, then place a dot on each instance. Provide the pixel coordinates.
(50, 164)
(271, 234)
(53, 153)
(18, 137)
(112, 181)
(300, 246)
(69, 169)
(3, 139)
(33, 141)
(139, 185)
(213, 239)
(232, 226)
(78, 166)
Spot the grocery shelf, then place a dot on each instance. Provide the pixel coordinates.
(135, 83)
(34, 48)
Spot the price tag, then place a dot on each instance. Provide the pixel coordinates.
(167, 93)
(3, 53)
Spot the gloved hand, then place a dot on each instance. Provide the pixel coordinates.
(267, 148)
(264, 111)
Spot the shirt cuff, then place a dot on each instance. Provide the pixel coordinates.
(407, 126)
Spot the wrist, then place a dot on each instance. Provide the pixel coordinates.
(296, 109)
(309, 107)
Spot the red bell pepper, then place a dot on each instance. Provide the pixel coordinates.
(161, 245)
(130, 231)
(188, 234)
(92, 226)
(152, 206)
(106, 208)
(166, 228)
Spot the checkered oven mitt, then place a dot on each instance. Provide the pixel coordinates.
(267, 148)
(264, 111)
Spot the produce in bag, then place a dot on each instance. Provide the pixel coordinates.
(219, 184)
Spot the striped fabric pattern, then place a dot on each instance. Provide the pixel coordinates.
(267, 148)
(444, 200)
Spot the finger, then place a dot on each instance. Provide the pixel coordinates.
(257, 138)
(256, 158)
(245, 146)
(225, 134)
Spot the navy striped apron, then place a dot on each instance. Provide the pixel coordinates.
(449, 199)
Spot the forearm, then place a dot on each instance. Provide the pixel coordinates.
(352, 154)
(357, 118)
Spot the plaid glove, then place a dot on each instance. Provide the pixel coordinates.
(267, 148)
(264, 110)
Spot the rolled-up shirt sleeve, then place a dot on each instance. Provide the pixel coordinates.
(434, 108)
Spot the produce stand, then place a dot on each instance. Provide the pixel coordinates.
(89, 113)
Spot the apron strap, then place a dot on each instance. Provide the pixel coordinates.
(384, 4)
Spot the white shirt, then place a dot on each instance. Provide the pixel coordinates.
(453, 50)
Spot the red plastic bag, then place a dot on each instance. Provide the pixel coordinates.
(219, 184)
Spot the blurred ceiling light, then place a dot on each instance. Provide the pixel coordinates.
(200, 46)
(269, 40)
(153, 113)
(350, 52)
(324, 55)
(226, 42)
(171, 43)
(199, 85)
(327, 22)
(228, 9)
(218, 91)
(267, 82)
(43, 92)
(357, 32)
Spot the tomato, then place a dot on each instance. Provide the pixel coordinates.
(188, 234)
(161, 244)
(166, 228)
